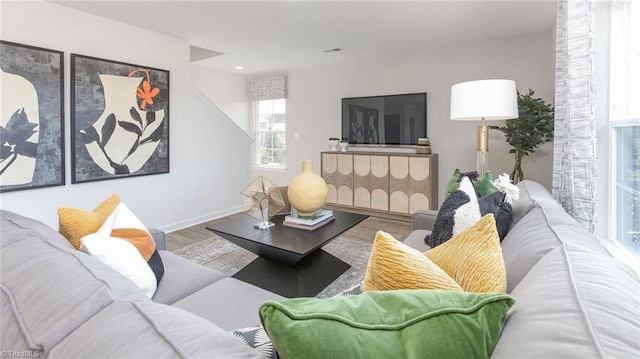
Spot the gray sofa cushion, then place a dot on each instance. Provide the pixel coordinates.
(230, 303)
(415, 240)
(181, 278)
(575, 303)
(543, 229)
(15, 225)
(149, 330)
(159, 238)
(14, 337)
(50, 287)
(424, 219)
(531, 194)
(527, 242)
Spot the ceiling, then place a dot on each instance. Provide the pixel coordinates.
(275, 36)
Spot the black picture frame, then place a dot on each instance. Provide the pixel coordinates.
(119, 119)
(32, 120)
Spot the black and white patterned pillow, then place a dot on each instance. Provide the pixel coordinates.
(257, 338)
(354, 290)
(495, 203)
(463, 208)
(458, 211)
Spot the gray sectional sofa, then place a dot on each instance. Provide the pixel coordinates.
(573, 300)
(61, 303)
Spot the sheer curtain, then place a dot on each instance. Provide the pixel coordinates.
(574, 157)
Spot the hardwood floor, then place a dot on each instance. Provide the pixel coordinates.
(365, 231)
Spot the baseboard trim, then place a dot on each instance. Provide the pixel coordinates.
(200, 219)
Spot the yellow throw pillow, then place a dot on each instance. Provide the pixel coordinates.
(394, 265)
(76, 223)
(473, 258)
(108, 205)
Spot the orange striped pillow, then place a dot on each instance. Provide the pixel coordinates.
(123, 224)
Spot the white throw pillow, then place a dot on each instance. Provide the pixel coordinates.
(123, 257)
(121, 217)
(469, 213)
(123, 224)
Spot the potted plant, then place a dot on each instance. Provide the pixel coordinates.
(333, 143)
(533, 127)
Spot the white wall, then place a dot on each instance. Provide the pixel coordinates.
(314, 102)
(227, 90)
(208, 158)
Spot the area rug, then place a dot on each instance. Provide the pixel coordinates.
(228, 258)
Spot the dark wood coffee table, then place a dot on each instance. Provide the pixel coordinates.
(291, 261)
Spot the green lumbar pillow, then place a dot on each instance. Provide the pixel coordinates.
(388, 324)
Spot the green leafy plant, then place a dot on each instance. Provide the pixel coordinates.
(533, 127)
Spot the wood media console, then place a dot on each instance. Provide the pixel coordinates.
(385, 183)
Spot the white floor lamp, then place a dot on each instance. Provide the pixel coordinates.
(484, 100)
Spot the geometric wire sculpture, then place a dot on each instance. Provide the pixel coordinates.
(262, 199)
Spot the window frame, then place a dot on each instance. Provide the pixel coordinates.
(620, 60)
(614, 182)
(258, 132)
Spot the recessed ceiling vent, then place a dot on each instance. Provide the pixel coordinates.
(335, 49)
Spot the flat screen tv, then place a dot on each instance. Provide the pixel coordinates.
(394, 120)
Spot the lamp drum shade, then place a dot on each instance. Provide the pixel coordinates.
(484, 100)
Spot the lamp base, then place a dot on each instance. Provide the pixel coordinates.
(263, 225)
(482, 148)
(482, 162)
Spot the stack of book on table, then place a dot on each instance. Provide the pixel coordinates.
(319, 219)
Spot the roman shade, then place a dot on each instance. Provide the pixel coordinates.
(268, 88)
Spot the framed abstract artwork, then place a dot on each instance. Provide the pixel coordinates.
(31, 117)
(119, 119)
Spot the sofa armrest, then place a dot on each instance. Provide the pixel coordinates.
(159, 238)
(424, 219)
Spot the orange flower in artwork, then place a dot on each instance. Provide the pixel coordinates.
(145, 92)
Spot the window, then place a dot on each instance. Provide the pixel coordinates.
(270, 126)
(625, 124)
(627, 183)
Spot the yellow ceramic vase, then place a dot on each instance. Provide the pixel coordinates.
(307, 191)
